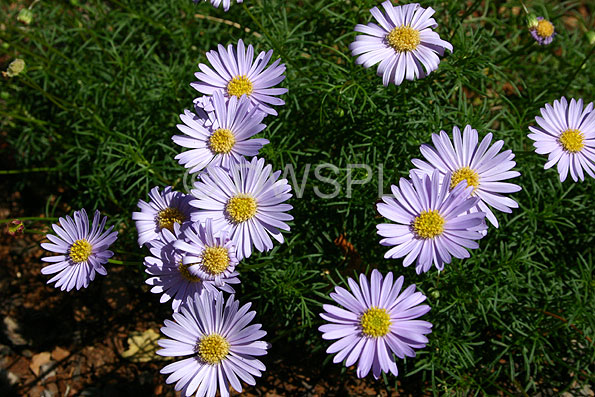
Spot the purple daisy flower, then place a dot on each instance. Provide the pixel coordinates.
(216, 3)
(404, 43)
(567, 133)
(542, 31)
(377, 321)
(210, 258)
(225, 138)
(481, 166)
(246, 202)
(161, 212)
(174, 279)
(221, 345)
(237, 73)
(433, 222)
(83, 251)
(203, 107)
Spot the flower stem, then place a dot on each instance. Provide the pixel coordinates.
(35, 231)
(25, 170)
(137, 254)
(124, 263)
(524, 7)
(29, 218)
(261, 28)
(571, 79)
(522, 50)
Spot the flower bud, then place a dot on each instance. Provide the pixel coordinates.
(15, 68)
(25, 16)
(532, 21)
(16, 227)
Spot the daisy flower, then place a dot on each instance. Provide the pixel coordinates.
(174, 279)
(480, 165)
(161, 212)
(376, 321)
(221, 345)
(542, 30)
(203, 105)
(404, 43)
(432, 223)
(216, 3)
(237, 73)
(225, 139)
(246, 202)
(210, 258)
(82, 251)
(567, 133)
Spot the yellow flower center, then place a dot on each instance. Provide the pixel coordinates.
(240, 208)
(545, 28)
(239, 86)
(428, 224)
(215, 259)
(222, 141)
(375, 322)
(572, 140)
(167, 217)
(467, 174)
(403, 38)
(212, 349)
(183, 269)
(80, 251)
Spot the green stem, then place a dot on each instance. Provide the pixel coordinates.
(137, 13)
(25, 170)
(570, 80)
(129, 253)
(469, 11)
(512, 54)
(33, 4)
(55, 100)
(524, 7)
(29, 218)
(257, 22)
(35, 231)
(261, 28)
(125, 263)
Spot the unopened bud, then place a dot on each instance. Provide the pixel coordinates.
(532, 21)
(25, 16)
(15, 68)
(434, 293)
(16, 227)
(591, 37)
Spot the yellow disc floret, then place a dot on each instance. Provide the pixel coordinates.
(428, 224)
(375, 322)
(80, 251)
(212, 349)
(222, 141)
(239, 86)
(241, 207)
(572, 140)
(403, 38)
(545, 28)
(465, 173)
(167, 217)
(215, 260)
(183, 269)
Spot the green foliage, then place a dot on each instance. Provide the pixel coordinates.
(105, 81)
